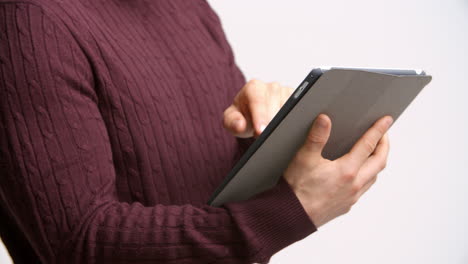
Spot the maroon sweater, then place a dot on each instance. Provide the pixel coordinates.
(111, 138)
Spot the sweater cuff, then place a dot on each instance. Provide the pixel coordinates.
(272, 220)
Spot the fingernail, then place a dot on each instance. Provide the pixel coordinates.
(389, 121)
(262, 127)
(321, 122)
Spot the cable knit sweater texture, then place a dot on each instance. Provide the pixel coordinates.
(111, 138)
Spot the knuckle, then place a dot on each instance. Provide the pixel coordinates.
(315, 138)
(275, 85)
(355, 188)
(252, 82)
(347, 177)
(253, 85)
(368, 144)
(253, 96)
(348, 174)
(380, 130)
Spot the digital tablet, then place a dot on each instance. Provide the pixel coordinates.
(353, 98)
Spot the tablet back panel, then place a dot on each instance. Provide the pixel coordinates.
(353, 99)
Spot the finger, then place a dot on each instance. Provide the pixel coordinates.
(235, 122)
(382, 149)
(376, 162)
(318, 135)
(276, 97)
(367, 186)
(257, 103)
(274, 101)
(366, 145)
(286, 94)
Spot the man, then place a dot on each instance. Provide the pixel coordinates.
(111, 140)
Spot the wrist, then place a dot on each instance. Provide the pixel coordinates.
(304, 200)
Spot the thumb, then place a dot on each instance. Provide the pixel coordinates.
(318, 135)
(235, 122)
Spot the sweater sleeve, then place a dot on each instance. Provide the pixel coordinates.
(51, 136)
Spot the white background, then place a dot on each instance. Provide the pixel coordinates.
(417, 212)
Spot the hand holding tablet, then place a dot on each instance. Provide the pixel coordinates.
(354, 99)
(328, 189)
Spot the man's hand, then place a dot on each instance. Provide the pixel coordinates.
(254, 107)
(328, 189)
